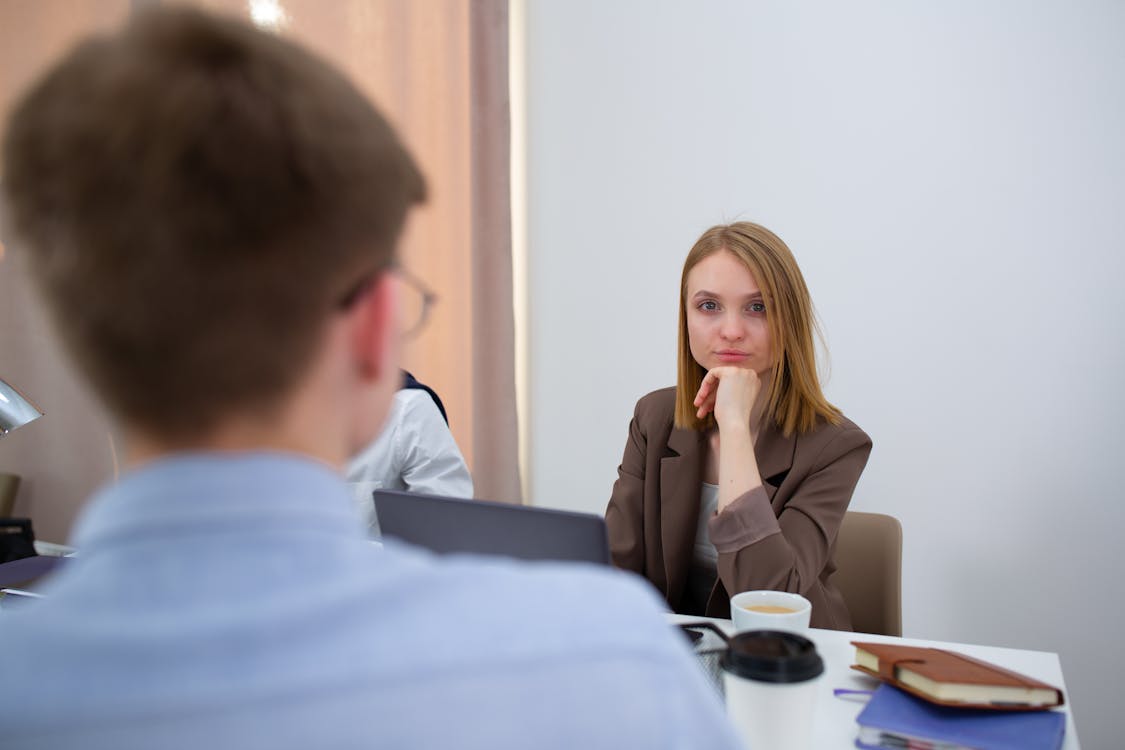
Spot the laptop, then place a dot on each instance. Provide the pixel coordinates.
(452, 525)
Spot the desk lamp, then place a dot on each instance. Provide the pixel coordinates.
(15, 410)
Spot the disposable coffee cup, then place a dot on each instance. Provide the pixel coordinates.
(771, 681)
(770, 610)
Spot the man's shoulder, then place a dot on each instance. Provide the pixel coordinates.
(413, 396)
(408, 401)
(419, 414)
(396, 630)
(594, 639)
(562, 608)
(584, 587)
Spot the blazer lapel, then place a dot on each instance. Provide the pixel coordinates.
(680, 475)
(775, 457)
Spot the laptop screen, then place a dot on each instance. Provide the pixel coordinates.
(450, 525)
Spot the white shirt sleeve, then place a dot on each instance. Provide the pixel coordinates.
(430, 459)
(414, 452)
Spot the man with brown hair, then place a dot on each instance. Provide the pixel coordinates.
(211, 214)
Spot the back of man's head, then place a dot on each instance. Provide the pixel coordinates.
(195, 198)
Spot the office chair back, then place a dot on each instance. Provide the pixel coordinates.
(869, 571)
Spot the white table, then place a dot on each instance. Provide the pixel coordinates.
(835, 725)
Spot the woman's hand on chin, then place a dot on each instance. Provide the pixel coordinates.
(730, 393)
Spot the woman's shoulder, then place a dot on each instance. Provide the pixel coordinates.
(659, 405)
(843, 436)
(844, 425)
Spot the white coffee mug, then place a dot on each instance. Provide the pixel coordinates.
(770, 610)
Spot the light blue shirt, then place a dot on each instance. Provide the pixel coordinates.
(234, 602)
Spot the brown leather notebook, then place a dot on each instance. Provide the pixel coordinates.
(952, 679)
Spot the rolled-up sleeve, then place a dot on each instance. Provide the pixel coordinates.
(743, 522)
(789, 551)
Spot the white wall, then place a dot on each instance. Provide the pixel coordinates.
(951, 178)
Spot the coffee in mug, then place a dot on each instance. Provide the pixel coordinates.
(770, 610)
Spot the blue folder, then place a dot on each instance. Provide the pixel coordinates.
(892, 717)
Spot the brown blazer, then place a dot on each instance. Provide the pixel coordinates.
(780, 536)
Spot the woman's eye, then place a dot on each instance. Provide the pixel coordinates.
(708, 305)
(757, 308)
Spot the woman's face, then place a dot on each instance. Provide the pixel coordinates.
(726, 315)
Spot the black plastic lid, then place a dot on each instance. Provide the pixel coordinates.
(772, 656)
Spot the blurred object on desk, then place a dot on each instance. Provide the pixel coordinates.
(54, 550)
(709, 643)
(26, 572)
(17, 539)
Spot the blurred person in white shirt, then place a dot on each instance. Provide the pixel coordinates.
(415, 452)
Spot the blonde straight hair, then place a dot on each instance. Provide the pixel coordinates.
(795, 400)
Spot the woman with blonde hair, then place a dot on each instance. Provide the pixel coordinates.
(738, 477)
